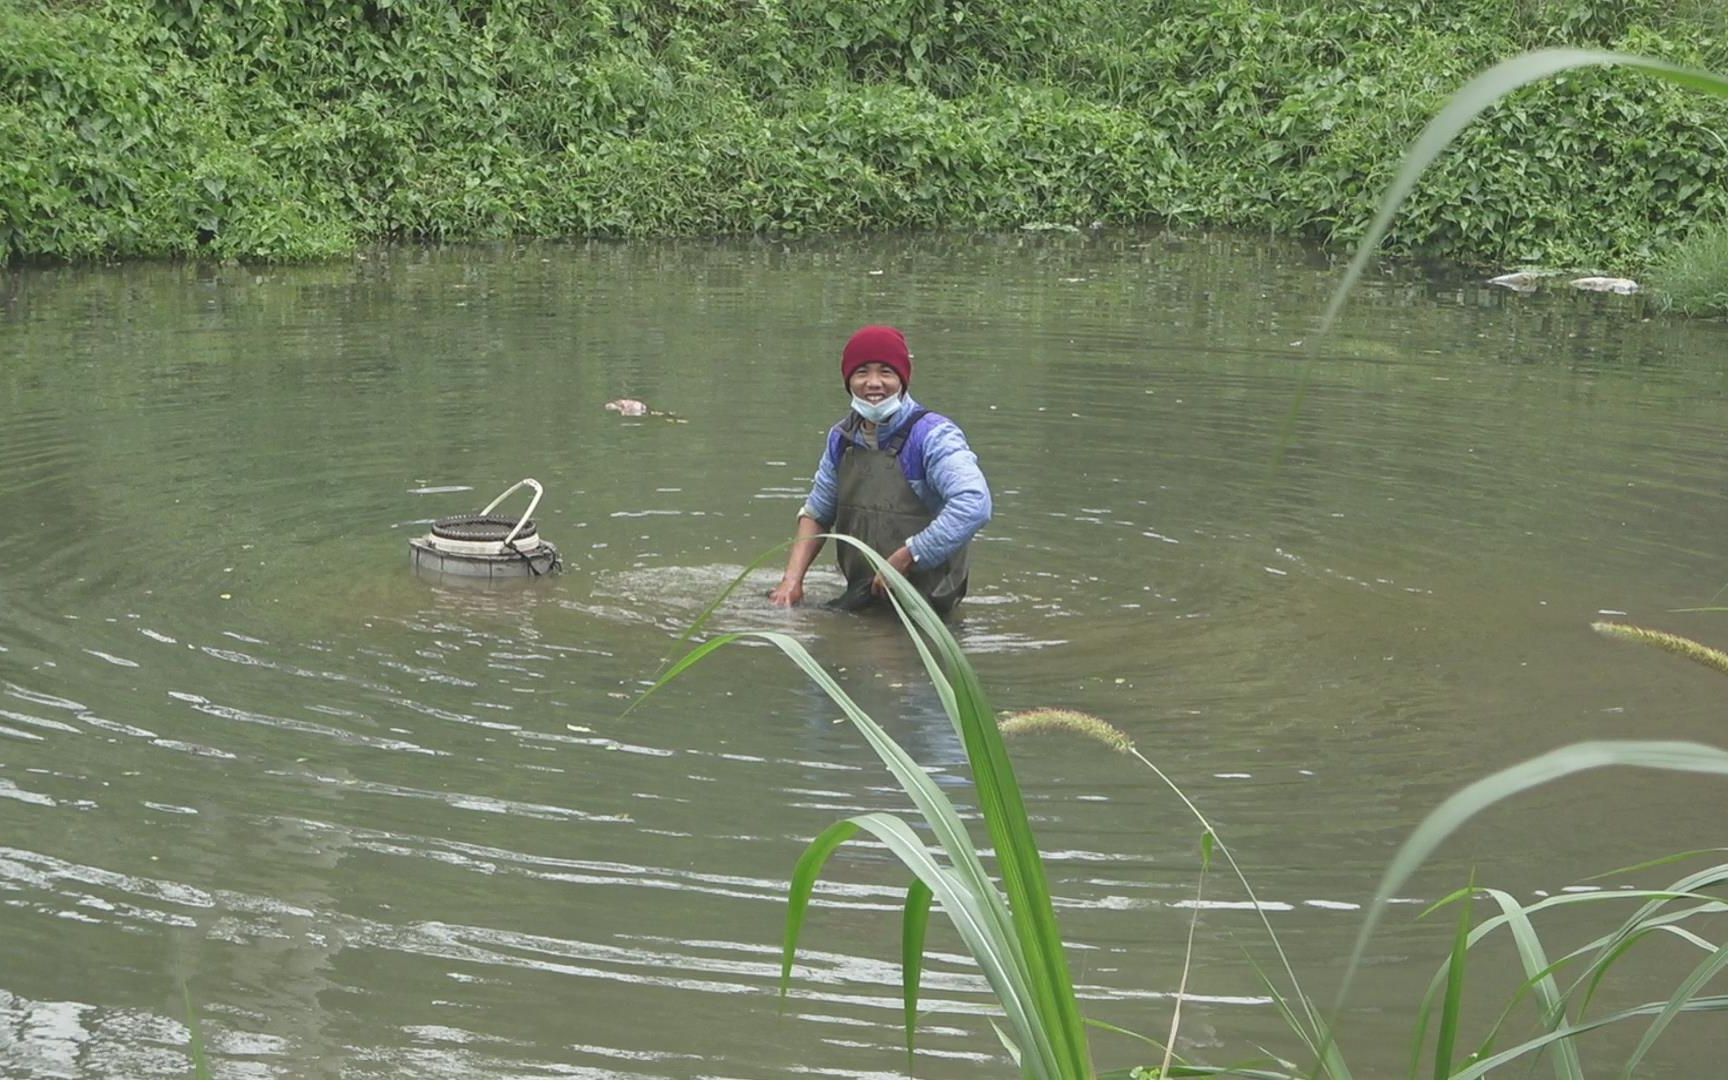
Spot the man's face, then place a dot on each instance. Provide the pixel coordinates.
(874, 383)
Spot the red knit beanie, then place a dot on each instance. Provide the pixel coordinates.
(877, 345)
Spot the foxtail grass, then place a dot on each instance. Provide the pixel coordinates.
(1048, 721)
(1695, 651)
(1303, 1016)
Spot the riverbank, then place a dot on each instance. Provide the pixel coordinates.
(269, 130)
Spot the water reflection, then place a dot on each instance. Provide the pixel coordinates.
(385, 826)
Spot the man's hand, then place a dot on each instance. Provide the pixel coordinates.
(902, 561)
(787, 593)
(808, 543)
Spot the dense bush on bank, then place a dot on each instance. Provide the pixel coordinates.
(298, 128)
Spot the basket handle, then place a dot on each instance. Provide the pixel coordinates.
(526, 514)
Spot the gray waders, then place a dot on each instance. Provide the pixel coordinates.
(877, 505)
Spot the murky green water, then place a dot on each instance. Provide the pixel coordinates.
(384, 828)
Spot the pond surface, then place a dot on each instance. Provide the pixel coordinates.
(384, 827)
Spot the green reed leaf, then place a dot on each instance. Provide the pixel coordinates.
(997, 943)
(194, 1037)
(1663, 860)
(913, 921)
(1539, 974)
(1488, 1065)
(1033, 921)
(1686, 993)
(1102, 1025)
(804, 874)
(1621, 943)
(1450, 815)
(1650, 916)
(1469, 102)
(984, 940)
(1447, 1036)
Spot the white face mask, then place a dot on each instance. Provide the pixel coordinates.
(878, 411)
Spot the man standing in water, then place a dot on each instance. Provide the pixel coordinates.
(896, 476)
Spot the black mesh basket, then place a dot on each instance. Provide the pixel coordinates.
(480, 528)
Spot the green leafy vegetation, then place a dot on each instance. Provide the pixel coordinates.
(282, 130)
(1011, 932)
(1461, 117)
(1037, 996)
(1692, 276)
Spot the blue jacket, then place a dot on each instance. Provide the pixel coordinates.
(947, 479)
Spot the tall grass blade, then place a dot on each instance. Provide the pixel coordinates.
(683, 664)
(1103, 1025)
(1450, 815)
(1440, 976)
(1612, 948)
(1007, 1043)
(950, 831)
(1447, 1036)
(1197, 1070)
(1004, 811)
(804, 875)
(1649, 917)
(1320, 1044)
(1469, 102)
(1311, 1034)
(194, 1037)
(1608, 947)
(1034, 1005)
(982, 939)
(1488, 1065)
(1540, 976)
(1187, 956)
(938, 677)
(913, 921)
(1651, 864)
(708, 612)
(1684, 995)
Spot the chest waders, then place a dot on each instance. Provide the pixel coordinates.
(877, 505)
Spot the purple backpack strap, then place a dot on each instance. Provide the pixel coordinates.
(912, 452)
(838, 436)
(907, 446)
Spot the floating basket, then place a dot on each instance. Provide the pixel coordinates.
(488, 531)
(486, 545)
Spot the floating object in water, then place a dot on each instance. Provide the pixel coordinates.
(1520, 281)
(1526, 281)
(1623, 286)
(487, 545)
(631, 407)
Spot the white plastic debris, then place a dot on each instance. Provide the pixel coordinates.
(1623, 286)
(1520, 281)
